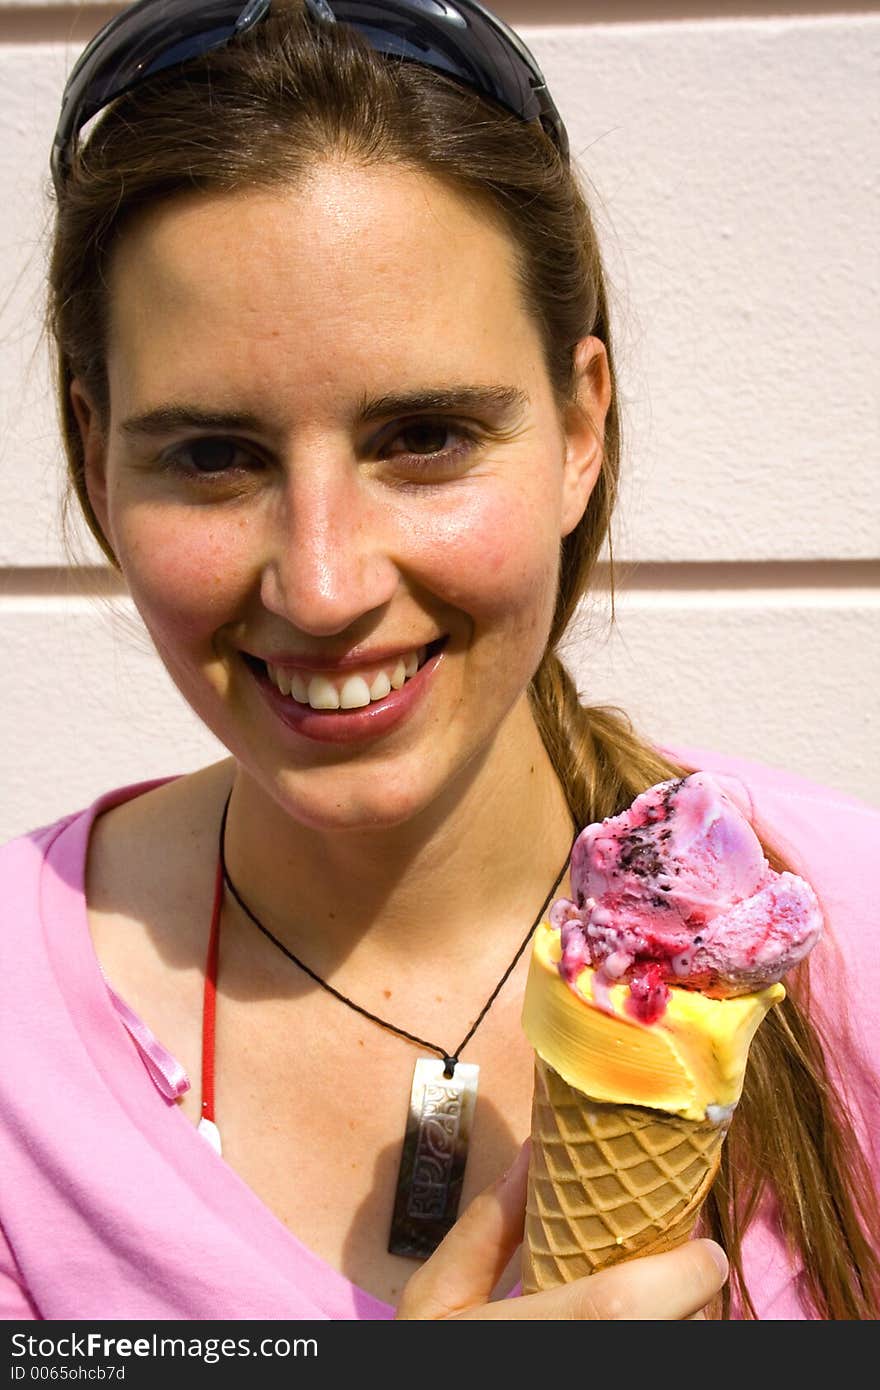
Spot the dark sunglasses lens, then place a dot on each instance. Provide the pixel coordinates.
(144, 39)
(451, 36)
(456, 39)
(463, 40)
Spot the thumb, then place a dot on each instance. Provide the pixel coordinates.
(469, 1261)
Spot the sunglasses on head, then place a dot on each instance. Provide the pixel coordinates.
(458, 38)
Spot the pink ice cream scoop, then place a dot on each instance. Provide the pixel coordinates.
(677, 890)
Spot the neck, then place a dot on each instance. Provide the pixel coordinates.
(479, 860)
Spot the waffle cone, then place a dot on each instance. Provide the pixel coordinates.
(608, 1181)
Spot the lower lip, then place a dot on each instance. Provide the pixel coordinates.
(349, 726)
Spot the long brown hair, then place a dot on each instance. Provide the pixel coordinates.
(257, 115)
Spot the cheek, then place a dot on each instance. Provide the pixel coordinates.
(496, 558)
(182, 576)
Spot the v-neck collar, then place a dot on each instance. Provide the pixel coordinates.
(130, 1072)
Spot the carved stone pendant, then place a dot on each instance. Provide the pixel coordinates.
(435, 1148)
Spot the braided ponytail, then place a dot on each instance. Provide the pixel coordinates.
(596, 754)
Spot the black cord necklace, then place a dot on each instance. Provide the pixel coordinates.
(441, 1106)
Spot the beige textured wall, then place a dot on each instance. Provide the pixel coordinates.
(733, 157)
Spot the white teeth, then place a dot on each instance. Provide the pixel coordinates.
(299, 689)
(322, 695)
(381, 686)
(354, 693)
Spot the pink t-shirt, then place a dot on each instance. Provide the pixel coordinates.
(113, 1206)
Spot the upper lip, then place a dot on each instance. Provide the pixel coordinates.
(358, 656)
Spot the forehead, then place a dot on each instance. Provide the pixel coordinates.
(354, 276)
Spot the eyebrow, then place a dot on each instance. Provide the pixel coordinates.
(166, 419)
(503, 398)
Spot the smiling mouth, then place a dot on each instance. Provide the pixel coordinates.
(348, 690)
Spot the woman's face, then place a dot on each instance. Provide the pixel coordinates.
(284, 496)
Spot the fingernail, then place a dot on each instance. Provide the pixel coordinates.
(718, 1256)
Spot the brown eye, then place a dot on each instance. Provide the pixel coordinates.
(428, 438)
(439, 442)
(213, 455)
(202, 460)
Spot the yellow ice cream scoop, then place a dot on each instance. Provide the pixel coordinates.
(690, 1063)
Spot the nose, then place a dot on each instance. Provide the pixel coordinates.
(329, 560)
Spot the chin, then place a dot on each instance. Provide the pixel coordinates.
(350, 808)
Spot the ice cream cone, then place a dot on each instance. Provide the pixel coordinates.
(644, 993)
(608, 1181)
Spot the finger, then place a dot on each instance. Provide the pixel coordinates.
(470, 1260)
(672, 1286)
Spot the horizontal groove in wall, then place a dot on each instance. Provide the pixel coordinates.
(540, 12)
(834, 581)
(53, 23)
(52, 582)
(77, 23)
(748, 575)
(743, 600)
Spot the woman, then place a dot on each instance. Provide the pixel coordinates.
(337, 386)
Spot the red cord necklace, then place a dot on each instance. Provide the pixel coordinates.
(207, 1123)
